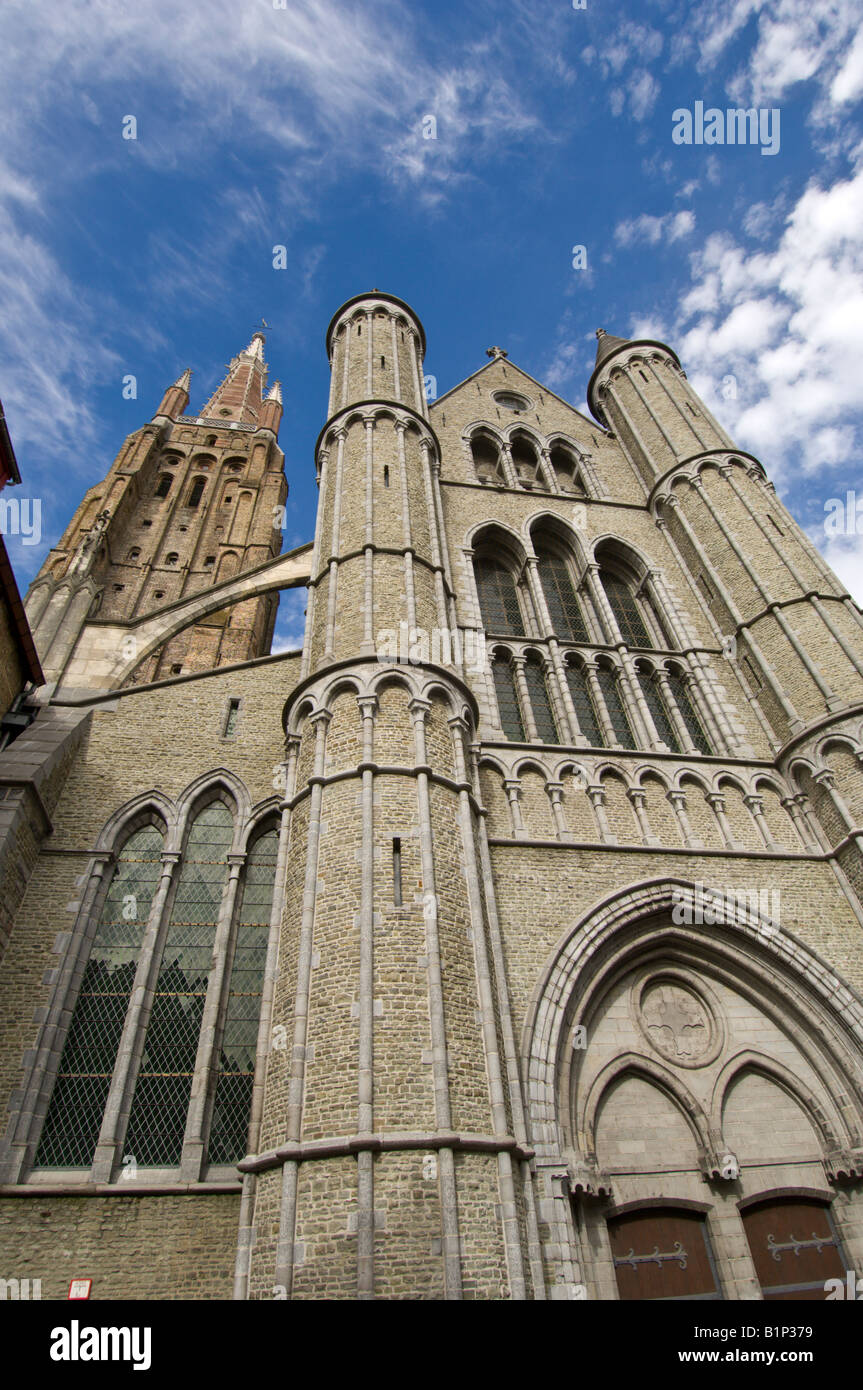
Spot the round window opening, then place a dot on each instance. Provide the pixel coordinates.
(509, 400)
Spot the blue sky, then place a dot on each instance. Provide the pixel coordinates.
(304, 127)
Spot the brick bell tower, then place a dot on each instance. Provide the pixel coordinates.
(388, 1154)
(190, 501)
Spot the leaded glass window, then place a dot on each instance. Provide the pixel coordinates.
(614, 705)
(585, 710)
(71, 1129)
(236, 1065)
(157, 1121)
(507, 700)
(543, 716)
(624, 606)
(564, 609)
(687, 712)
(498, 599)
(659, 713)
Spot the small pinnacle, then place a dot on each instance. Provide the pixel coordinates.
(275, 392)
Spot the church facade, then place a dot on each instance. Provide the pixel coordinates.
(506, 941)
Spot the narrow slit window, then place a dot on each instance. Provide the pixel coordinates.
(397, 871)
(231, 718)
(386, 475)
(383, 361)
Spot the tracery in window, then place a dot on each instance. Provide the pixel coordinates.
(507, 699)
(564, 609)
(498, 599)
(236, 1066)
(585, 709)
(540, 702)
(71, 1129)
(157, 1121)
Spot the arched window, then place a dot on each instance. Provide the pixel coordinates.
(658, 713)
(537, 688)
(625, 608)
(71, 1129)
(564, 609)
(585, 709)
(688, 714)
(134, 554)
(507, 699)
(239, 1044)
(526, 462)
(163, 486)
(157, 1121)
(196, 492)
(498, 599)
(566, 470)
(172, 558)
(614, 706)
(486, 459)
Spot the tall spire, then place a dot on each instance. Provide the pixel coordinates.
(240, 396)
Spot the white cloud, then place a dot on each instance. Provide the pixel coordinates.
(670, 227)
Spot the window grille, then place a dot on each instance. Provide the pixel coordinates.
(616, 712)
(74, 1118)
(624, 606)
(543, 716)
(236, 1066)
(585, 710)
(157, 1121)
(659, 713)
(688, 715)
(498, 599)
(564, 609)
(507, 700)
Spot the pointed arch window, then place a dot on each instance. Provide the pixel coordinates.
(157, 1120)
(537, 689)
(658, 712)
(687, 713)
(498, 598)
(71, 1129)
(625, 608)
(525, 460)
(566, 471)
(486, 459)
(163, 487)
(239, 1042)
(511, 722)
(564, 609)
(614, 705)
(585, 709)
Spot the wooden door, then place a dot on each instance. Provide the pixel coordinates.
(794, 1247)
(663, 1253)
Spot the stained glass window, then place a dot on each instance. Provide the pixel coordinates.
(585, 711)
(687, 711)
(239, 1045)
(507, 699)
(624, 606)
(498, 599)
(564, 609)
(71, 1129)
(614, 705)
(157, 1121)
(659, 713)
(543, 716)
